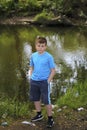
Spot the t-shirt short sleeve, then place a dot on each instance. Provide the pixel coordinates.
(51, 62)
(31, 61)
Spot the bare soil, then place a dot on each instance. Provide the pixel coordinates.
(64, 120)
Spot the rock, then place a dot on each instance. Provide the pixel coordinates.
(4, 124)
(80, 109)
(28, 123)
(59, 110)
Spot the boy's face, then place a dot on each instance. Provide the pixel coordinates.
(40, 47)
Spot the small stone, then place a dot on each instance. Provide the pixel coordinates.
(4, 124)
(80, 109)
(59, 110)
(28, 123)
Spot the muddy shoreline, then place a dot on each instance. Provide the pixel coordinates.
(57, 21)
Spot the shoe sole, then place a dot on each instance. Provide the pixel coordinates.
(37, 119)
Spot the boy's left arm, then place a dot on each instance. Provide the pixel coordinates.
(51, 75)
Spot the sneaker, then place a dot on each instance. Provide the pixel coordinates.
(37, 117)
(50, 123)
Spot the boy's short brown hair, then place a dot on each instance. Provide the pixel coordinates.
(41, 40)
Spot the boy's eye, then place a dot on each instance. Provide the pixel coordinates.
(40, 45)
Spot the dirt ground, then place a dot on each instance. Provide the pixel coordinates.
(16, 20)
(30, 21)
(64, 120)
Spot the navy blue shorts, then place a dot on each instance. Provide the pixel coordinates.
(40, 90)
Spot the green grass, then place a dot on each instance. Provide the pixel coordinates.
(74, 97)
(14, 109)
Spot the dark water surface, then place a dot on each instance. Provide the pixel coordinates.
(67, 45)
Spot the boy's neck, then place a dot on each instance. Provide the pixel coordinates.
(41, 53)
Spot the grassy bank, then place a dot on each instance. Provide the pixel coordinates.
(74, 98)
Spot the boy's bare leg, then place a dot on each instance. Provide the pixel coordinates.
(49, 109)
(37, 106)
(50, 122)
(38, 116)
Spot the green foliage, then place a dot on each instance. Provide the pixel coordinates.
(75, 97)
(15, 109)
(29, 7)
(10, 8)
(43, 17)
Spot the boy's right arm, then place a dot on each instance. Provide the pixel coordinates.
(30, 72)
(31, 66)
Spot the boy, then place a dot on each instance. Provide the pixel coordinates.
(42, 71)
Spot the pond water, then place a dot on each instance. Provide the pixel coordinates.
(67, 45)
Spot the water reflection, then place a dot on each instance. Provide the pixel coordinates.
(71, 61)
(67, 45)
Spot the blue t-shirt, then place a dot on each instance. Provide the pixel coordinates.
(42, 64)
